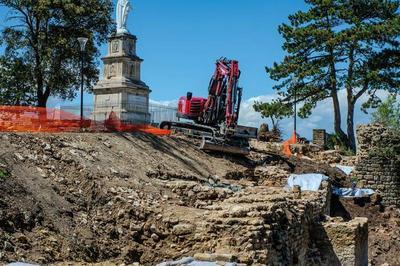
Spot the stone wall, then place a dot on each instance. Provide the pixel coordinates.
(262, 226)
(319, 137)
(341, 242)
(374, 169)
(268, 226)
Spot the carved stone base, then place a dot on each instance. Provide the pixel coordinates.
(121, 91)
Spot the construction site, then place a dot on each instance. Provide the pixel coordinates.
(130, 181)
(126, 198)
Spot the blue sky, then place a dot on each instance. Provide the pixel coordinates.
(180, 40)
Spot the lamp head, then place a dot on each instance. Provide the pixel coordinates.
(82, 43)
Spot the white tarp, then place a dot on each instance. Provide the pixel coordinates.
(346, 169)
(309, 182)
(20, 264)
(191, 262)
(353, 192)
(183, 261)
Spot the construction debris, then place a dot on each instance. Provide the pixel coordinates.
(116, 198)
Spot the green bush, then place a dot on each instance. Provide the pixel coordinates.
(3, 174)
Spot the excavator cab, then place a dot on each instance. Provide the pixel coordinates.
(190, 107)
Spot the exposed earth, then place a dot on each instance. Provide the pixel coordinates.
(133, 198)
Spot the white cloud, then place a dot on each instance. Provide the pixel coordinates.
(322, 116)
(171, 103)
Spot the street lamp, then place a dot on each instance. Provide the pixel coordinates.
(295, 106)
(295, 86)
(82, 43)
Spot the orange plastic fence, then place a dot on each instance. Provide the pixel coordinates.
(37, 119)
(286, 144)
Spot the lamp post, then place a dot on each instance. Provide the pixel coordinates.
(295, 85)
(82, 44)
(295, 107)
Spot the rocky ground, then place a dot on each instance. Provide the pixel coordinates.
(126, 198)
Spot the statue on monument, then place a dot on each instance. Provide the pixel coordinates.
(123, 8)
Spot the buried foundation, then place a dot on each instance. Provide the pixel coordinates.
(270, 226)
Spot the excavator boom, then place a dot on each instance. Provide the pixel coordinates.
(217, 115)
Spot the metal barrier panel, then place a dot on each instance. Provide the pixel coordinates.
(161, 113)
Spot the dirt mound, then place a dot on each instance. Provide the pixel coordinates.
(85, 197)
(383, 225)
(120, 197)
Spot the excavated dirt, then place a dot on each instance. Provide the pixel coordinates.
(83, 197)
(383, 225)
(126, 198)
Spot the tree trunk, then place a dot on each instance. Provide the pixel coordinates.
(350, 126)
(337, 117)
(350, 101)
(42, 97)
(42, 101)
(42, 94)
(337, 123)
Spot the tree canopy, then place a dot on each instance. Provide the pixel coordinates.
(275, 111)
(42, 51)
(349, 46)
(15, 82)
(388, 113)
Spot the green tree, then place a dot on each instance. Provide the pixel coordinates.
(388, 113)
(349, 45)
(275, 111)
(15, 82)
(43, 42)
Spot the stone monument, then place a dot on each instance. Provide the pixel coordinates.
(121, 90)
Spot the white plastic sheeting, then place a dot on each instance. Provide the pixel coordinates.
(353, 192)
(346, 169)
(192, 262)
(183, 261)
(20, 264)
(307, 182)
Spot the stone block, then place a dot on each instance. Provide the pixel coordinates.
(348, 242)
(121, 90)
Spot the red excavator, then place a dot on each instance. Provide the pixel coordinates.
(215, 118)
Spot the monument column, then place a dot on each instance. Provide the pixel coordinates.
(121, 89)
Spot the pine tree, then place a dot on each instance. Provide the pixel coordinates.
(275, 111)
(350, 45)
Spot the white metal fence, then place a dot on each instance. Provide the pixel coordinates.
(158, 112)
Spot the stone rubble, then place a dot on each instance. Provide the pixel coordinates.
(90, 198)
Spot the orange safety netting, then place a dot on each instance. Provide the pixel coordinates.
(37, 119)
(286, 144)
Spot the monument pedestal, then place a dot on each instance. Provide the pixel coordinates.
(121, 90)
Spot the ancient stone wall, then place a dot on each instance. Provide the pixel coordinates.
(264, 226)
(375, 168)
(341, 243)
(319, 137)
